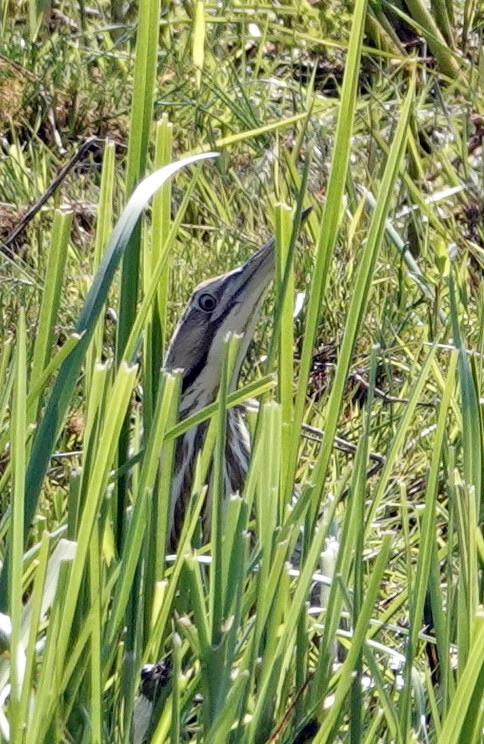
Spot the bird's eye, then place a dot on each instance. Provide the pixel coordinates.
(207, 302)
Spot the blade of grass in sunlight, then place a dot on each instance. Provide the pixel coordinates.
(360, 295)
(96, 623)
(471, 422)
(51, 295)
(139, 135)
(104, 226)
(217, 668)
(464, 718)
(155, 478)
(198, 50)
(140, 125)
(64, 385)
(155, 338)
(232, 139)
(329, 223)
(18, 429)
(286, 333)
(357, 641)
(115, 411)
(419, 590)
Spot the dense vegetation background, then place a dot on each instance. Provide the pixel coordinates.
(373, 114)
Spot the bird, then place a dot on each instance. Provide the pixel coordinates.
(227, 304)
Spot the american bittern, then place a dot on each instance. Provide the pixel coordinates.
(226, 304)
(229, 303)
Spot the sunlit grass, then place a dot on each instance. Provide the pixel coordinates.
(385, 351)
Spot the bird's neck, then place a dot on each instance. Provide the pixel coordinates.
(194, 399)
(237, 452)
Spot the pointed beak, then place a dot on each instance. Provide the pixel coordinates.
(253, 277)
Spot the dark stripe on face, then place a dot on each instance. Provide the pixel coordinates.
(214, 326)
(190, 378)
(198, 368)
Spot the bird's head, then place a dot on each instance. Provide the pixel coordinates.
(230, 303)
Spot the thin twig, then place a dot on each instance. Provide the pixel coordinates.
(50, 190)
(316, 435)
(355, 376)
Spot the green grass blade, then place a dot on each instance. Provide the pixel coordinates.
(46, 435)
(18, 454)
(465, 712)
(51, 295)
(330, 220)
(140, 125)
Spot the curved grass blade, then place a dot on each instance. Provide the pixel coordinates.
(64, 385)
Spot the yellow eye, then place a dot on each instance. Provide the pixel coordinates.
(207, 302)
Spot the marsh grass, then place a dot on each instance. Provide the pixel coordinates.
(302, 109)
